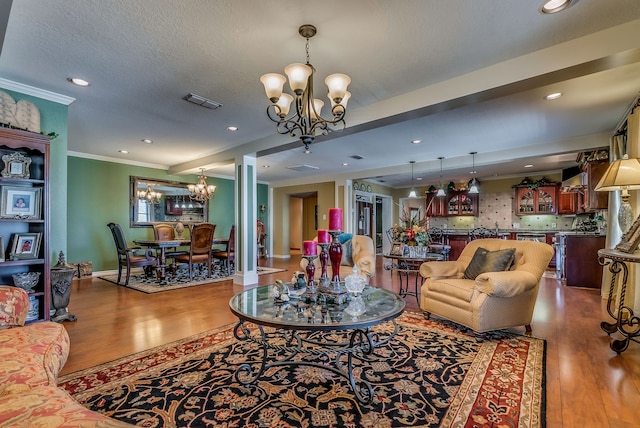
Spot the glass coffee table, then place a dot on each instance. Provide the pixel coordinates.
(308, 331)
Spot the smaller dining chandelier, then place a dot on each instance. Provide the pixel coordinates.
(201, 191)
(149, 195)
(306, 121)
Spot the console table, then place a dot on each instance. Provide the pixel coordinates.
(405, 265)
(626, 322)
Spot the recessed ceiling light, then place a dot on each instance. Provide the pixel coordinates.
(147, 141)
(553, 96)
(554, 6)
(416, 141)
(232, 128)
(77, 81)
(345, 164)
(418, 178)
(528, 166)
(123, 151)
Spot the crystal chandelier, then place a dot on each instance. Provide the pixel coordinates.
(201, 191)
(149, 195)
(306, 121)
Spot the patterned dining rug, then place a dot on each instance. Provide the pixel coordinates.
(149, 284)
(430, 374)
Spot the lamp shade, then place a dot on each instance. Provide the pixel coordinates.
(298, 75)
(622, 174)
(273, 84)
(337, 84)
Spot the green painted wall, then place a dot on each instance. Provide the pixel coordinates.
(99, 193)
(53, 118)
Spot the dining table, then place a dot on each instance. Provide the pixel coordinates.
(163, 245)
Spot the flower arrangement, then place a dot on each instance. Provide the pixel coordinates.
(412, 230)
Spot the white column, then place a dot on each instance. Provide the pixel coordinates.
(246, 200)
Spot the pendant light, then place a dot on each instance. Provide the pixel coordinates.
(473, 188)
(412, 193)
(441, 191)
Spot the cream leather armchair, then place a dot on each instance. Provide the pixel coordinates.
(362, 253)
(494, 300)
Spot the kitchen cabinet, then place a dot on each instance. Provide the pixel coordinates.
(24, 215)
(541, 200)
(435, 205)
(171, 206)
(567, 202)
(581, 260)
(590, 199)
(461, 203)
(457, 243)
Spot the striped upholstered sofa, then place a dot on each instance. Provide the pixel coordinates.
(31, 356)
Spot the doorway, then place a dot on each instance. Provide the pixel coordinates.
(303, 220)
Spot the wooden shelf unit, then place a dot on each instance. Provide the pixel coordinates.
(36, 147)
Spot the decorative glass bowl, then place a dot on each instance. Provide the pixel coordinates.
(26, 280)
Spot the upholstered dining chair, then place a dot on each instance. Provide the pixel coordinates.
(130, 257)
(228, 255)
(200, 249)
(163, 231)
(436, 242)
(261, 237)
(166, 232)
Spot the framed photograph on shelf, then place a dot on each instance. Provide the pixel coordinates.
(21, 202)
(26, 245)
(16, 165)
(397, 249)
(631, 239)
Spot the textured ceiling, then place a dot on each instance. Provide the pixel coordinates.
(460, 75)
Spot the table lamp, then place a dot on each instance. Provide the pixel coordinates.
(624, 175)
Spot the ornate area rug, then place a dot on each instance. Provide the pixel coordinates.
(138, 280)
(431, 374)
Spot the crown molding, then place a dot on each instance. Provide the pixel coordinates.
(36, 92)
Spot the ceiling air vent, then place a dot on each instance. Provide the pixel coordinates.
(202, 101)
(358, 157)
(301, 168)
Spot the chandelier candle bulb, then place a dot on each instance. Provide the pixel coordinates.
(335, 218)
(323, 236)
(310, 248)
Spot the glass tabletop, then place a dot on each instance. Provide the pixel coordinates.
(372, 307)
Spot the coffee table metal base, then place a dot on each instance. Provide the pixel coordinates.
(360, 344)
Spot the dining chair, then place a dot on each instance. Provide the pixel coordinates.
(262, 237)
(200, 248)
(228, 255)
(481, 233)
(436, 242)
(166, 232)
(129, 257)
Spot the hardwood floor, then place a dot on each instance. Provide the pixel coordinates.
(588, 385)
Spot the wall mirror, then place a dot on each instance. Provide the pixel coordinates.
(169, 202)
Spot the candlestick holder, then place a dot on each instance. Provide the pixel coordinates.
(335, 255)
(311, 271)
(324, 259)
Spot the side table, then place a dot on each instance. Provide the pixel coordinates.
(405, 265)
(626, 322)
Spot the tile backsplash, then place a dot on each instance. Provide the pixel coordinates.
(497, 210)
